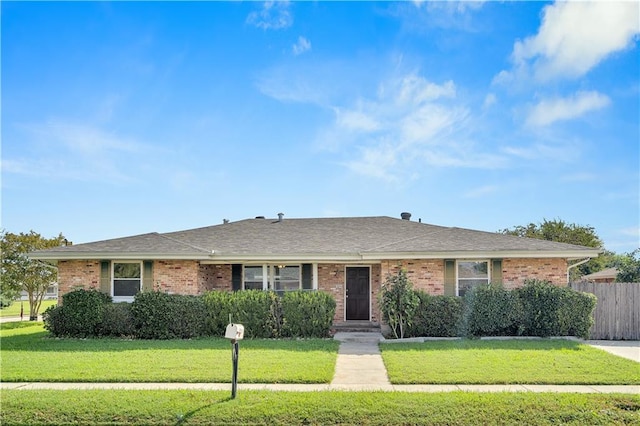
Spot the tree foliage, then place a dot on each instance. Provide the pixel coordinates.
(628, 266)
(19, 272)
(562, 232)
(559, 231)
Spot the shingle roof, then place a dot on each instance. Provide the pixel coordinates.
(322, 238)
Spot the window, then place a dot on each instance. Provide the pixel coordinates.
(286, 278)
(253, 277)
(127, 280)
(472, 274)
(279, 278)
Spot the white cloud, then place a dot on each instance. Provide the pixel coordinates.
(489, 100)
(411, 123)
(356, 120)
(548, 111)
(301, 46)
(274, 15)
(575, 37)
(75, 151)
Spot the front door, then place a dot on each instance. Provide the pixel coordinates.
(357, 294)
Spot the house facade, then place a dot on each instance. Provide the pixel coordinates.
(348, 258)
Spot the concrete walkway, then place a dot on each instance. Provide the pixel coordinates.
(359, 367)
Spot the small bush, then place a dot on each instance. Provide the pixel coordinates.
(490, 310)
(436, 316)
(398, 303)
(255, 311)
(159, 315)
(117, 321)
(307, 314)
(79, 316)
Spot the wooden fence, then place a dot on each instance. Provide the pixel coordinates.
(617, 314)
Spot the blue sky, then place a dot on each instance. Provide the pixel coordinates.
(125, 118)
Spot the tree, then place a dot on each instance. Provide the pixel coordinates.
(398, 302)
(19, 272)
(628, 266)
(559, 231)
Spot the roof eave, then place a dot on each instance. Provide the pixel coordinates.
(483, 254)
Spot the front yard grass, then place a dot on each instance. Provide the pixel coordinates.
(29, 354)
(505, 362)
(187, 407)
(14, 309)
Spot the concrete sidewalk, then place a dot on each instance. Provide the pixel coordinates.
(324, 387)
(359, 367)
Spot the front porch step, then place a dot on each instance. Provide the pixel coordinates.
(356, 327)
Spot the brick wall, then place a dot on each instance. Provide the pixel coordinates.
(425, 274)
(331, 279)
(214, 277)
(515, 271)
(74, 274)
(176, 276)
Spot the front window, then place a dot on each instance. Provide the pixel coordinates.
(472, 274)
(127, 280)
(280, 278)
(286, 278)
(253, 277)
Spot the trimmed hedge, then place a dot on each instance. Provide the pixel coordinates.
(258, 312)
(555, 311)
(490, 310)
(307, 314)
(156, 315)
(80, 314)
(436, 316)
(117, 321)
(159, 315)
(537, 309)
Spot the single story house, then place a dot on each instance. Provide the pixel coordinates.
(348, 257)
(605, 276)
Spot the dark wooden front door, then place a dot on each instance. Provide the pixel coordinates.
(358, 293)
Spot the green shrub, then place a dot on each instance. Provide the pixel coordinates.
(255, 311)
(80, 314)
(218, 307)
(578, 309)
(307, 313)
(398, 303)
(540, 301)
(555, 311)
(490, 310)
(158, 315)
(117, 321)
(436, 316)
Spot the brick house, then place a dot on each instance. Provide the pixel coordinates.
(346, 257)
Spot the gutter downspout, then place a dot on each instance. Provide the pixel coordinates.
(574, 265)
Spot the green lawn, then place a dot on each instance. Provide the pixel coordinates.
(14, 309)
(28, 354)
(505, 362)
(93, 407)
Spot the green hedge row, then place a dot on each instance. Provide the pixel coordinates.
(156, 315)
(537, 309)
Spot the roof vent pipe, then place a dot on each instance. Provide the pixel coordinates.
(405, 216)
(280, 216)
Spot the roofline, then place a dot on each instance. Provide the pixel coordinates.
(216, 257)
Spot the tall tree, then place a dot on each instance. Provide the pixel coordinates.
(628, 266)
(19, 272)
(562, 232)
